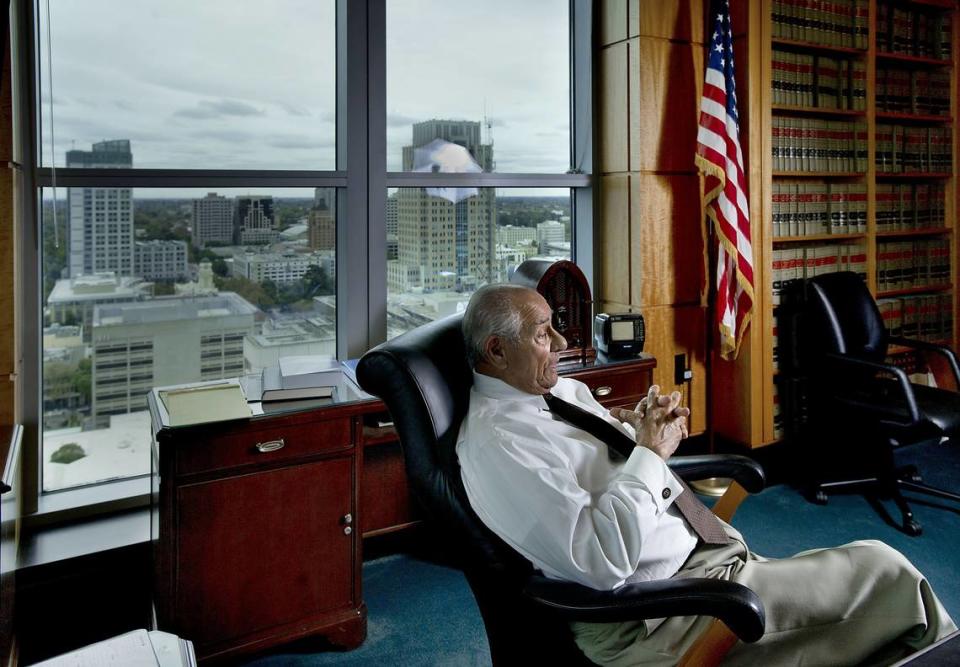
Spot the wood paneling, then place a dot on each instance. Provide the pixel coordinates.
(678, 20)
(679, 330)
(667, 239)
(615, 238)
(613, 21)
(671, 77)
(614, 141)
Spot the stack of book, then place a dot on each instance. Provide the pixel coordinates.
(296, 378)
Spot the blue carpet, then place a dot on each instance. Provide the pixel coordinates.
(420, 613)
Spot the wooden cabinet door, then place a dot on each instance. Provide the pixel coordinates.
(262, 550)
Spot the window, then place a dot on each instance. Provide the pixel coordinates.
(216, 189)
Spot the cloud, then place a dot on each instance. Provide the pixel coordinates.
(206, 110)
(402, 120)
(295, 111)
(301, 142)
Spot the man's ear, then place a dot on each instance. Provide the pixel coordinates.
(495, 352)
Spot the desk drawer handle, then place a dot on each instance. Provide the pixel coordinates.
(603, 391)
(270, 445)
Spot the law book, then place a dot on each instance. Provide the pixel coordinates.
(278, 387)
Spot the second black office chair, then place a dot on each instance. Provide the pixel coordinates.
(424, 379)
(860, 408)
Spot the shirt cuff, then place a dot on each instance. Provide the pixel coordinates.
(655, 475)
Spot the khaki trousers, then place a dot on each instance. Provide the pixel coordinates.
(862, 603)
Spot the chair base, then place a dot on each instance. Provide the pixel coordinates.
(885, 487)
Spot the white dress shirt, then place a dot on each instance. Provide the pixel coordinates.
(553, 492)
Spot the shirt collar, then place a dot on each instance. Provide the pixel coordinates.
(491, 387)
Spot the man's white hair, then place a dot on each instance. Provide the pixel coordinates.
(492, 311)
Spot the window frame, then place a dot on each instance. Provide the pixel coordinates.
(360, 176)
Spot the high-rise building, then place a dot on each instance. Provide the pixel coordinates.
(160, 260)
(550, 233)
(322, 224)
(511, 235)
(100, 231)
(392, 215)
(253, 221)
(445, 245)
(212, 220)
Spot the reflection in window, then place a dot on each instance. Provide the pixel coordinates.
(185, 286)
(440, 249)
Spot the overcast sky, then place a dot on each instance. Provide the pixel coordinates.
(244, 84)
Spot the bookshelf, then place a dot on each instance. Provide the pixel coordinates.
(852, 105)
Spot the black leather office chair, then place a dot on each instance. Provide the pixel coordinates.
(424, 379)
(859, 407)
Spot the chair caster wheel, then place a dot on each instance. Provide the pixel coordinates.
(820, 498)
(912, 528)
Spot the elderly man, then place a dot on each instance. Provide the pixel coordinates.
(557, 495)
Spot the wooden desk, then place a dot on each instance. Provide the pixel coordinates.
(257, 548)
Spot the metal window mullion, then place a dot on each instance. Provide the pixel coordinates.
(584, 251)
(198, 178)
(353, 331)
(400, 179)
(376, 278)
(28, 267)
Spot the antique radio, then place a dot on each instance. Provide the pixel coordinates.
(567, 292)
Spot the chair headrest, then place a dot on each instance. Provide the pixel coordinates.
(845, 318)
(424, 379)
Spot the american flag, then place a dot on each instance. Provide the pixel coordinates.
(725, 189)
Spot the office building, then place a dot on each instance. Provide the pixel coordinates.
(550, 233)
(160, 260)
(444, 245)
(100, 229)
(512, 235)
(281, 269)
(254, 222)
(212, 220)
(72, 300)
(168, 340)
(322, 221)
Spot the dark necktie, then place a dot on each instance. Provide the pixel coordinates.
(704, 522)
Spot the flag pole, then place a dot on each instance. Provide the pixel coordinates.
(711, 486)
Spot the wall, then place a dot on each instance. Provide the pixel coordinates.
(650, 73)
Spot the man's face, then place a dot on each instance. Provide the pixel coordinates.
(531, 362)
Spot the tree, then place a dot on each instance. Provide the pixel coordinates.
(82, 381)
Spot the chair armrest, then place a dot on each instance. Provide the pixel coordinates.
(909, 400)
(743, 469)
(931, 347)
(734, 604)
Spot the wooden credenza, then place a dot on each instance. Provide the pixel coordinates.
(254, 529)
(257, 544)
